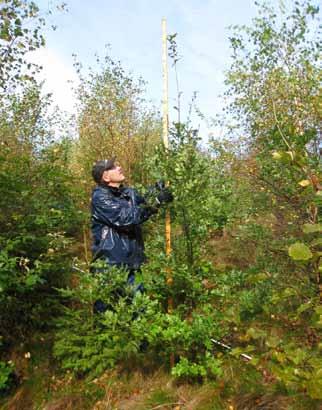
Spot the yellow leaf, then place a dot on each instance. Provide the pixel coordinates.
(290, 153)
(304, 182)
(276, 155)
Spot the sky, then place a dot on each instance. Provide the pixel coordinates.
(132, 28)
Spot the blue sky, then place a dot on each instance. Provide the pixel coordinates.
(133, 29)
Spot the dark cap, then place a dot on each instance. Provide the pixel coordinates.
(100, 166)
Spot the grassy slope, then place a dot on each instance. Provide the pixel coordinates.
(44, 386)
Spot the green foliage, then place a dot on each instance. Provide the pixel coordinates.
(297, 368)
(194, 179)
(275, 100)
(89, 343)
(6, 370)
(276, 325)
(20, 32)
(39, 213)
(210, 366)
(186, 286)
(92, 343)
(312, 228)
(299, 251)
(22, 26)
(274, 87)
(246, 254)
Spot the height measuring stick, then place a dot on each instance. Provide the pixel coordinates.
(165, 128)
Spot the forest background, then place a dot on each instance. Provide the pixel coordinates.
(246, 260)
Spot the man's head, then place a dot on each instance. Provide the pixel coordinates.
(109, 172)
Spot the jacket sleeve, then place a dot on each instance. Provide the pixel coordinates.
(139, 200)
(118, 212)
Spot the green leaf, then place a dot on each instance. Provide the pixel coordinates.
(318, 310)
(289, 292)
(314, 386)
(316, 242)
(32, 280)
(304, 307)
(259, 277)
(256, 333)
(279, 356)
(312, 228)
(300, 252)
(273, 341)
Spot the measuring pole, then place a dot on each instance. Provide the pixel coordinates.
(165, 122)
(165, 128)
(165, 116)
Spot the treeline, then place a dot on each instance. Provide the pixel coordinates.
(246, 260)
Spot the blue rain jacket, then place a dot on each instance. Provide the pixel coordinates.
(117, 214)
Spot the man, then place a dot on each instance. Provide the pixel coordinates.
(117, 215)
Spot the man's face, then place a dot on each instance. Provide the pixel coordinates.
(114, 176)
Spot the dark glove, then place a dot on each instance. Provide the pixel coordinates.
(158, 195)
(159, 185)
(164, 197)
(151, 210)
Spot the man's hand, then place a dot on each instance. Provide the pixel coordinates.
(164, 197)
(158, 195)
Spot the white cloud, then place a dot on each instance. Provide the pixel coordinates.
(59, 78)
